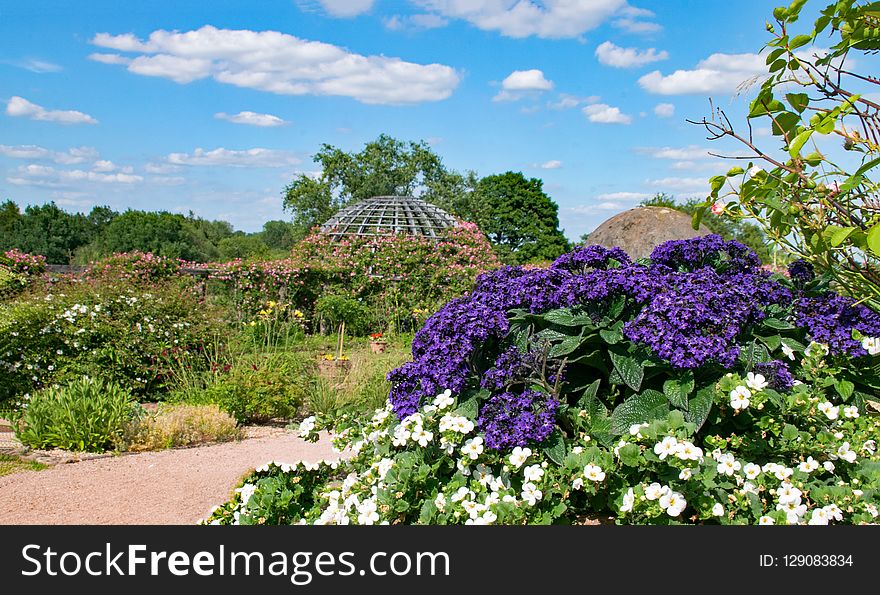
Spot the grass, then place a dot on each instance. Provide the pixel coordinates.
(10, 464)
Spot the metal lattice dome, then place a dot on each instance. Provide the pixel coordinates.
(389, 214)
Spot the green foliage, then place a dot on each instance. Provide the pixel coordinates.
(10, 464)
(521, 220)
(126, 332)
(48, 230)
(818, 207)
(86, 414)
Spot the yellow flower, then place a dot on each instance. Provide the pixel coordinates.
(343, 358)
(297, 314)
(328, 356)
(252, 323)
(272, 304)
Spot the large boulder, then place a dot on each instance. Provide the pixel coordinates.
(639, 230)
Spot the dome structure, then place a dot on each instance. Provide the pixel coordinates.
(639, 230)
(381, 215)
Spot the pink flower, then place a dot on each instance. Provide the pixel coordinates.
(718, 208)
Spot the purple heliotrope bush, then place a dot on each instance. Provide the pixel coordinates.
(524, 345)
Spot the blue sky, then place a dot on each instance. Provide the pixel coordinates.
(214, 107)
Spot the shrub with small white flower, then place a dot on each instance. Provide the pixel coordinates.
(693, 389)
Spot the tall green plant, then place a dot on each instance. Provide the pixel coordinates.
(822, 208)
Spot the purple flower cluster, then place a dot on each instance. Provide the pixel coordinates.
(699, 317)
(801, 272)
(706, 251)
(776, 374)
(510, 366)
(831, 318)
(584, 258)
(515, 419)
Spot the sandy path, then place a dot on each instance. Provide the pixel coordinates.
(154, 488)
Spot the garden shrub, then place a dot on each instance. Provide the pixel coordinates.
(127, 333)
(693, 387)
(136, 267)
(257, 387)
(17, 271)
(180, 425)
(86, 414)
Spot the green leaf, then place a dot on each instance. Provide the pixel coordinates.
(470, 408)
(611, 337)
(799, 41)
(631, 371)
(554, 447)
(427, 511)
(793, 344)
(785, 123)
(839, 235)
(700, 406)
(777, 324)
(874, 239)
(798, 101)
(641, 408)
(565, 347)
(629, 455)
(789, 432)
(772, 342)
(589, 394)
(677, 390)
(844, 388)
(551, 335)
(564, 317)
(698, 217)
(794, 149)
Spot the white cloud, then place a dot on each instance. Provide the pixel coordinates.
(103, 165)
(618, 57)
(252, 119)
(22, 108)
(345, 9)
(167, 180)
(257, 157)
(566, 101)
(636, 26)
(551, 19)
(161, 168)
(70, 156)
(552, 164)
(50, 177)
(719, 73)
(414, 22)
(664, 110)
(682, 184)
(110, 59)
(624, 196)
(520, 83)
(688, 153)
(600, 207)
(38, 66)
(279, 63)
(602, 113)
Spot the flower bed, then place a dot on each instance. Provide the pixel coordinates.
(694, 388)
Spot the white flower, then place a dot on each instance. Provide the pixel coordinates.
(488, 517)
(717, 510)
(384, 466)
(594, 473)
(673, 503)
(629, 499)
(687, 451)
(782, 472)
(749, 488)
(498, 484)
(789, 353)
(809, 465)
(401, 436)
(756, 381)
(421, 436)
(739, 397)
(872, 510)
(788, 493)
(851, 412)
(845, 453)
(636, 428)
(793, 511)
(728, 465)
(830, 411)
(306, 426)
(751, 470)
(819, 517)
(447, 446)
(578, 483)
(367, 514)
(766, 520)
(666, 447)
(461, 494)
(686, 474)
(533, 473)
(655, 491)
(871, 345)
(519, 456)
(246, 491)
(870, 446)
(440, 501)
(472, 508)
(530, 493)
(444, 399)
(828, 466)
(473, 448)
(833, 512)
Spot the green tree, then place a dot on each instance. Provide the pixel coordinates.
(521, 220)
(386, 166)
(162, 233)
(51, 232)
(9, 220)
(241, 245)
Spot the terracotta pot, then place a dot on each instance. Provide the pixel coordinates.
(378, 346)
(333, 369)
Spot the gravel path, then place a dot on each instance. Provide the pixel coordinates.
(154, 488)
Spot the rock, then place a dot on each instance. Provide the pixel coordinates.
(639, 230)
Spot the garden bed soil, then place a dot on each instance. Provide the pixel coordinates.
(177, 486)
